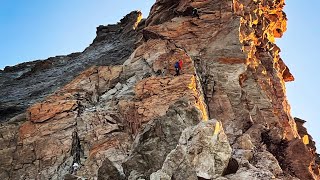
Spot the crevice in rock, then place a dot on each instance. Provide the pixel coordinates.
(10, 111)
(76, 149)
(232, 167)
(147, 35)
(278, 150)
(201, 178)
(206, 81)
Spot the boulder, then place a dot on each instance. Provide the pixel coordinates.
(203, 152)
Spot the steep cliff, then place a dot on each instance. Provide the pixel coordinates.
(126, 115)
(24, 84)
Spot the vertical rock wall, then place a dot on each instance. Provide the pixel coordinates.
(225, 117)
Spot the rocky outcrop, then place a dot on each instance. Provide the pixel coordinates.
(27, 83)
(225, 117)
(158, 138)
(97, 115)
(62, 120)
(311, 158)
(203, 152)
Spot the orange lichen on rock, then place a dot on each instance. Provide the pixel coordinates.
(26, 130)
(156, 94)
(43, 111)
(103, 146)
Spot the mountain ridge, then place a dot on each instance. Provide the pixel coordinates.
(225, 117)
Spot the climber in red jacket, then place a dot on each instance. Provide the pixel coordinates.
(180, 64)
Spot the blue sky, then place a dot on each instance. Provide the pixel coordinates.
(300, 48)
(38, 29)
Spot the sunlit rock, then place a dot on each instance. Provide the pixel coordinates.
(119, 111)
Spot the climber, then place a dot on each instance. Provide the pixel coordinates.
(177, 68)
(195, 13)
(75, 167)
(180, 64)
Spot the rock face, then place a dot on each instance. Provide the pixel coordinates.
(27, 83)
(127, 116)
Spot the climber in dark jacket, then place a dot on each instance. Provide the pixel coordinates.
(195, 13)
(178, 67)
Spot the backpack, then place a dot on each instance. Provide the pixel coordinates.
(176, 65)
